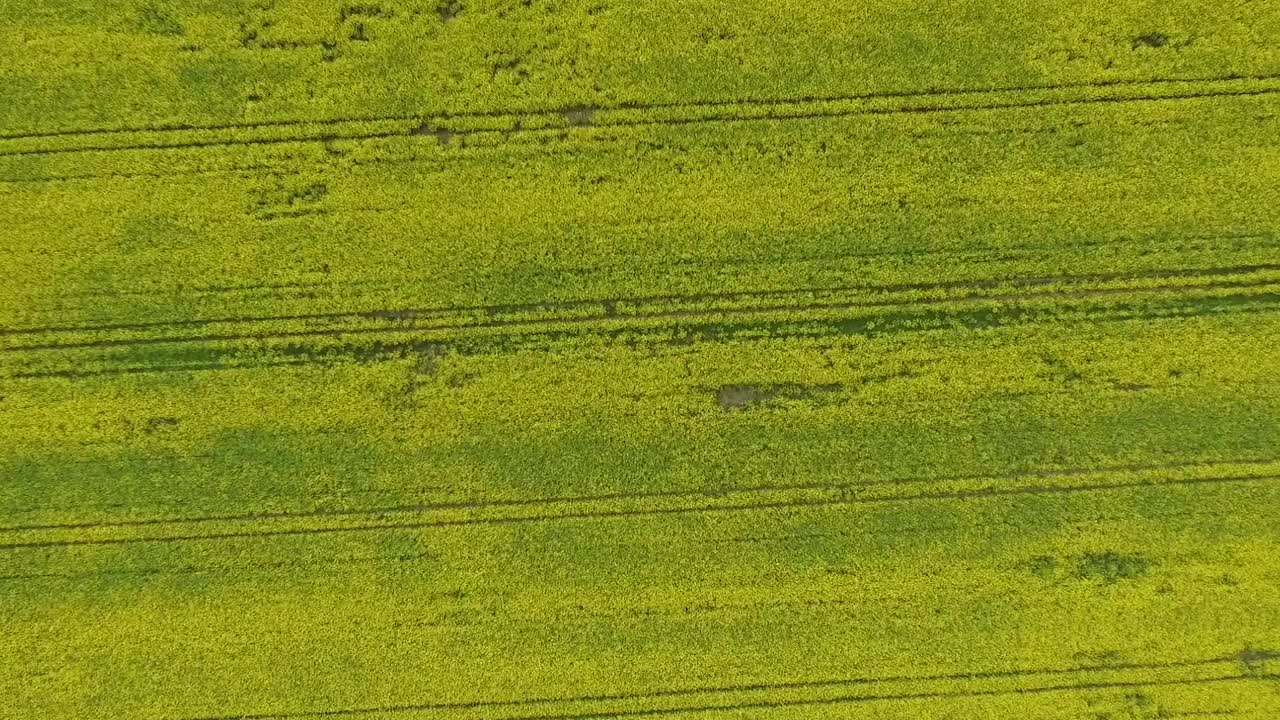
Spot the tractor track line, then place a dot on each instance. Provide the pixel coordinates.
(194, 570)
(507, 309)
(851, 699)
(280, 167)
(230, 142)
(485, 504)
(914, 110)
(1178, 242)
(578, 321)
(658, 122)
(154, 175)
(728, 689)
(1032, 490)
(146, 370)
(379, 351)
(383, 351)
(693, 104)
(236, 568)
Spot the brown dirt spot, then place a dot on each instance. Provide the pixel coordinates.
(1254, 660)
(1153, 40)
(442, 136)
(160, 424)
(448, 10)
(732, 397)
(1111, 567)
(579, 115)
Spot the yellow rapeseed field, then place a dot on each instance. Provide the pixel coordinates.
(593, 359)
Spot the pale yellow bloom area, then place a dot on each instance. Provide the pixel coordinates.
(588, 359)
